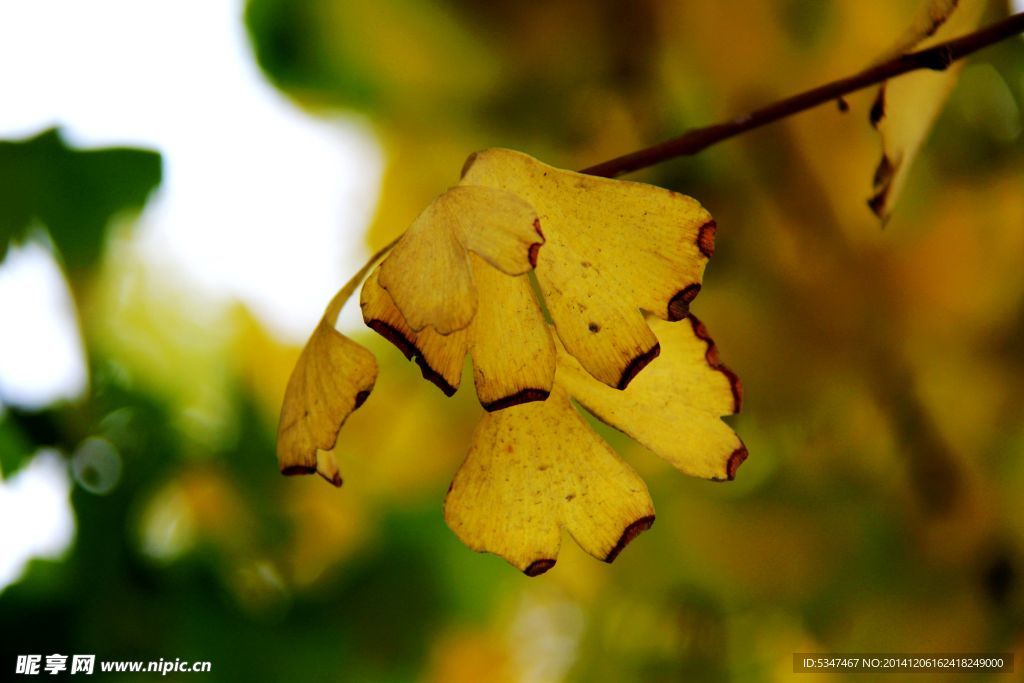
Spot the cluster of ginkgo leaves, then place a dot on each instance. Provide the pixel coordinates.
(560, 286)
(563, 286)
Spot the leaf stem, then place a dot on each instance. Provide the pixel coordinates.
(936, 58)
(346, 292)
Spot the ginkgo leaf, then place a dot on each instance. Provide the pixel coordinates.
(674, 407)
(905, 108)
(513, 353)
(428, 273)
(332, 378)
(612, 249)
(534, 469)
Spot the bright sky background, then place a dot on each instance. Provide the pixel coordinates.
(259, 202)
(36, 309)
(37, 497)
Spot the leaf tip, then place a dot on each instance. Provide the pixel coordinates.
(393, 335)
(293, 470)
(637, 364)
(736, 458)
(523, 396)
(538, 567)
(706, 238)
(679, 305)
(361, 398)
(632, 531)
(432, 375)
(334, 479)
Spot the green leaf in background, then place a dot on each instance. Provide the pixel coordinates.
(15, 448)
(394, 58)
(73, 193)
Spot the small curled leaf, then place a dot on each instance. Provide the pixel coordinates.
(331, 379)
(905, 108)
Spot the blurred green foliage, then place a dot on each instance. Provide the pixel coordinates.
(880, 506)
(73, 193)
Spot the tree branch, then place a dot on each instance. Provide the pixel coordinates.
(936, 58)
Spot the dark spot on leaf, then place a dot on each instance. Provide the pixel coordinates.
(713, 361)
(569, 498)
(883, 185)
(632, 531)
(434, 376)
(736, 459)
(883, 173)
(535, 248)
(538, 567)
(533, 253)
(842, 104)
(292, 470)
(877, 108)
(594, 327)
(679, 305)
(466, 165)
(410, 350)
(706, 238)
(938, 21)
(877, 204)
(523, 396)
(335, 480)
(392, 334)
(638, 364)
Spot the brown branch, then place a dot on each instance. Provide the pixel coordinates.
(936, 58)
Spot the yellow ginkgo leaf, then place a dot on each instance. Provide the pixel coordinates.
(440, 357)
(428, 273)
(674, 407)
(535, 468)
(613, 249)
(906, 107)
(513, 353)
(332, 378)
